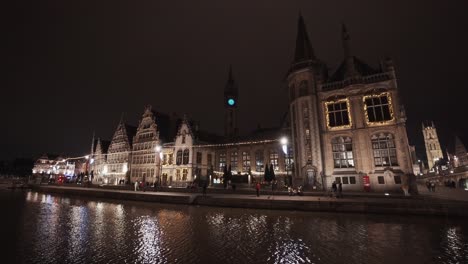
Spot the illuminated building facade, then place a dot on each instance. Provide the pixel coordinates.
(346, 127)
(431, 141)
(144, 157)
(117, 167)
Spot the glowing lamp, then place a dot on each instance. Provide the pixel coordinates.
(231, 102)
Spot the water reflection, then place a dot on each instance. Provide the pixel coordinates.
(58, 229)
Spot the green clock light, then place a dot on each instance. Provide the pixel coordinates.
(231, 102)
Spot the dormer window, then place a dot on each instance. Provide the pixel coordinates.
(378, 108)
(338, 114)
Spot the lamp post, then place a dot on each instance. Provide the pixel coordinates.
(158, 150)
(284, 145)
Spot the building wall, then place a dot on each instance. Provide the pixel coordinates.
(431, 141)
(118, 158)
(144, 159)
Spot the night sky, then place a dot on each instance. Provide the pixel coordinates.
(73, 67)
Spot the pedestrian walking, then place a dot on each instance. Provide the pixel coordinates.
(334, 188)
(428, 185)
(257, 187)
(433, 186)
(136, 186)
(204, 188)
(340, 190)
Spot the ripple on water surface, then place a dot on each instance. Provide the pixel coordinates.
(55, 229)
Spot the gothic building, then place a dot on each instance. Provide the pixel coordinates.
(348, 127)
(431, 141)
(119, 155)
(98, 159)
(144, 159)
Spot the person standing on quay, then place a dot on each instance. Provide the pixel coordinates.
(257, 187)
(334, 188)
(340, 190)
(136, 186)
(204, 189)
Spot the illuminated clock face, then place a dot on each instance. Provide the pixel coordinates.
(231, 102)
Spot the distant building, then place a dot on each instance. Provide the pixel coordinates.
(457, 155)
(431, 140)
(97, 159)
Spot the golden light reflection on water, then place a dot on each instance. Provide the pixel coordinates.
(84, 231)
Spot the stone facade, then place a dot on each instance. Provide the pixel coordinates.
(116, 169)
(431, 141)
(347, 126)
(144, 157)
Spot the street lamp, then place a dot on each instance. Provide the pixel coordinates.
(284, 145)
(158, 149)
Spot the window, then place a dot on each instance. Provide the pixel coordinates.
(342, 149)
(170, 159)
(397, 179)
(259, 161)
(186, 156)
(384, 149)
(378, 108)
(345, 180)
(165, 159)
(337, 114)
(352, 180)
(179, 157)
(380, 179)
(245, 161)
(337, 180)
(184, 174)
(178, 175)
(288, 162)
(222, 161)
(199, 157)
(274, 159)
(303, 88)
(209, 160)
(234, 160)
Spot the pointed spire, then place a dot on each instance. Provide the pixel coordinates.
(92, 144)
(231, 86)
(304, 49)
(350, 70)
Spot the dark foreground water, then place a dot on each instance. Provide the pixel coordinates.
(42, 228)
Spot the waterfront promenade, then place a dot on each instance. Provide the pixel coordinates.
(424, 204)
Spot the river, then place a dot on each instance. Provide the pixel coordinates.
(44, 228)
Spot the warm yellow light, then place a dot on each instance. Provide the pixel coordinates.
(390, 107)
(349, 114)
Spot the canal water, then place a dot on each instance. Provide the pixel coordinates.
(43, 228)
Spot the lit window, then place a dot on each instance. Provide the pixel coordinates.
(245, 161)
(186, 156)
(274, 159)
(222, 161)
(378, 108)
(179, 157)
(184, 174)
(342, 149)
(259, 161)
(337, 114)
(234, 160)
(199, 157)
(384, 149)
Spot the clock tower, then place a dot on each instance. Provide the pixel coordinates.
(230, 106)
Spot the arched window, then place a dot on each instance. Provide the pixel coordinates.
(384, 149)
(342, 148)
(303, 88)
(179, 157)
(186, 156)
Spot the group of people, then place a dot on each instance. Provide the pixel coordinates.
(431, 186)
(337, 189)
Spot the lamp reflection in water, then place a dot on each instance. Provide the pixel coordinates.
(149, 241)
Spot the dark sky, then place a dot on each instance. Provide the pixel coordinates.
(74, 66)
